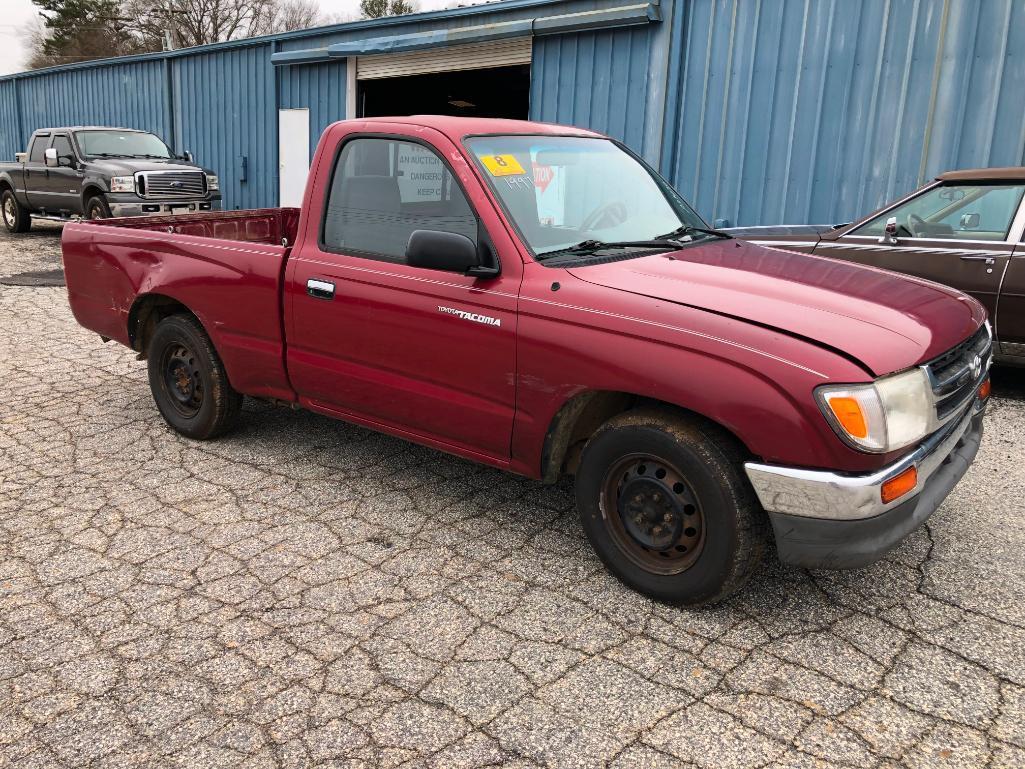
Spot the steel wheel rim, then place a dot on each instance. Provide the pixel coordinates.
(95, 212)
(181, 380)
(10, 215)
(653, 514)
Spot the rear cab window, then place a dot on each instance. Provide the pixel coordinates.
(383, 189)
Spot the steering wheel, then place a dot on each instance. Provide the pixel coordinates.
(607, 215)
(916, 225)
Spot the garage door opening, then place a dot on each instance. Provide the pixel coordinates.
(502, 92)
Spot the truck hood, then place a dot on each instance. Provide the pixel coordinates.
(128, 166)
(885, 321)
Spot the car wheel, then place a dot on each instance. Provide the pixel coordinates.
(188, 380)
(16, 216)
(666, 506)
(97, 208)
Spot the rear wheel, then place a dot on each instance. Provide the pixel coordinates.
(664, 502)
(97, 208)
(16, 216)
(188, 380)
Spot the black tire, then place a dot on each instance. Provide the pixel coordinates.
(96, 208)
(188, 380)
(691, 536)
(16, 217)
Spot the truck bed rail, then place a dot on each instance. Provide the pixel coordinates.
(271, 226)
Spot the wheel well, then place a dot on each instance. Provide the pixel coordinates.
(146, 313)
(582, 415)
(88, 193)
(5, 185)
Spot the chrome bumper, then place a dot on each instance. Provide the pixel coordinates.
(838, 497)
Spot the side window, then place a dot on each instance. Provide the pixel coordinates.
(35, 155)
(384, 189)
(955, 211)
(63, 147)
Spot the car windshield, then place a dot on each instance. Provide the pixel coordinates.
(566, 190)
(121, 144)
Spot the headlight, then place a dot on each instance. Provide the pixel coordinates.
(212, 183)
(122, 184)
(889, 414)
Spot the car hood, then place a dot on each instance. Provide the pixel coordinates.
(886, 321)
(128, 166)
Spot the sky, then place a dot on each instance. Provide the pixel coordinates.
(18, 13)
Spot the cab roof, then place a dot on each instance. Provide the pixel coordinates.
(459, 127)
(1012, 173)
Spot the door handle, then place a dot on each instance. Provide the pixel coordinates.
(986, 259)
(320, 289)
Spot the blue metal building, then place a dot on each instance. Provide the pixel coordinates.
(759, 111)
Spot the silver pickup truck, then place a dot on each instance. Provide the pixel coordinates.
(99, 172)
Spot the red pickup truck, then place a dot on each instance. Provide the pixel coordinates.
(535, 298)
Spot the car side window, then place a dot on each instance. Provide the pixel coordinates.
(63, 147)
(974, 211)
(384, 189)
(39, 143)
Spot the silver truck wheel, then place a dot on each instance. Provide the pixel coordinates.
(16, 217)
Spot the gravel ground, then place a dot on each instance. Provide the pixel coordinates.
(305, 592)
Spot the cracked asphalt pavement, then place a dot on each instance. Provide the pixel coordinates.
(308, 593)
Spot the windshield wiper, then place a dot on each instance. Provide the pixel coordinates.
(688, 229)
(593, 246)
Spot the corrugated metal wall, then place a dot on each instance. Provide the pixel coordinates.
(760, 111)
(126, 95)
(802, 111)
(226, 116)
(318, 87)
(599, 80)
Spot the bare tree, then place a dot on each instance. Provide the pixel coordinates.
(375, 9)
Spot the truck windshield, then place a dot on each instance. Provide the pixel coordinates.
(121, 144)
(563, 191)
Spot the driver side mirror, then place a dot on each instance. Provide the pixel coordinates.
(889, 237)
(438, 250)
(50, 157)
(186, 156)
(970, 221)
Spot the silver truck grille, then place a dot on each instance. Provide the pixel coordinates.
(956, 375)
(171, 184)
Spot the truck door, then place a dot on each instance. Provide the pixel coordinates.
(60, 188)
(425, 352)
(35, 171)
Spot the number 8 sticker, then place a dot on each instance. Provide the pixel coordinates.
(502, 165)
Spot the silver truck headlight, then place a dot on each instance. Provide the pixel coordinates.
(213, 184)
(889, 414)
(122, 184)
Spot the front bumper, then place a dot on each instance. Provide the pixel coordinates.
(127, 204)
(832, 521)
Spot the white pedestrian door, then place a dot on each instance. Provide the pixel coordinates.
(293, 155)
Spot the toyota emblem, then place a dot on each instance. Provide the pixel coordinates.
(976, 367)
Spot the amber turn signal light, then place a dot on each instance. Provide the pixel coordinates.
(899, 485)
(850, 416)
(985, 388)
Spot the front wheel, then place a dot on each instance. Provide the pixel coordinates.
(188, 380)
(97, 208)
(16, 217)
(664, 502)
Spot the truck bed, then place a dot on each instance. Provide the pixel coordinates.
(227, 267)
(273, 226)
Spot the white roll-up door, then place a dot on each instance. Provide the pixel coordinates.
(498, 53)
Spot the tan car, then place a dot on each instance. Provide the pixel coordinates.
(965, 229)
